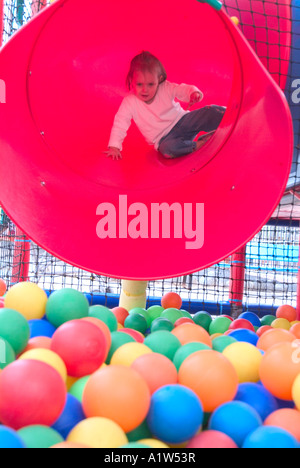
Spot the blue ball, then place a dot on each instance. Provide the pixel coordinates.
(236, 419)
(270, 437)
(251, 317)
(175, 414)
(258, 397)
(70, 417)
(41, 328)
(242, 334)
(10, 439)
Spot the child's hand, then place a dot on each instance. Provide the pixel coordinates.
(195, 98)
(113, 153)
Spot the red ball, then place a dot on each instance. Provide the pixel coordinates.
(171, 300)
(137, 336)
(212, 440)
(120, 313)
(241, 323)
(3, 287)
(182, 320)
(31, 392)
(263, 330)
(81, 345)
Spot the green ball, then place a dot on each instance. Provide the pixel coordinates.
(186, 314)
(139, 433)
(161, 324)
(219, 325)
(105, 315)
(135, 445)
(118, 339)
(7, 354)
(203, 319)
(221, 342)
(136, 322)
(78, 387)
(163, 342)
(65, 305)
(39, 437)
(186, 350)
(172, 314)
(154, 312)
(143, 312)
(14, 328)
(267, 320)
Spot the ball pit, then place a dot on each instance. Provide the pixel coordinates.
(75, 377)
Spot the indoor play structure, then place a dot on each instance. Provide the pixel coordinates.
(75, 374)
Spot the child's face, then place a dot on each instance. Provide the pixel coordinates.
(145, 85)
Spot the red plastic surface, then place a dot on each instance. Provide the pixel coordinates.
(65, 74)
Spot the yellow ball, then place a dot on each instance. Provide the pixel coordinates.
(296, 392)
(126, 354)
(28, 299)
(49, 357)
(98, 433)
(281, 323)
(235, 20)
(153, 443)
(246, 359)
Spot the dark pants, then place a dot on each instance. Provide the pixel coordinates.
(180, 140)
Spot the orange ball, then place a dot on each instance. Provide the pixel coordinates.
(102, 327)
(295, 330)
(279, 367)
(156, 369)
(3, 287)
(286, 418)
(274, 337)
(171, 300)
(118, 393)
(188, 333)
(263, 330)
(211, 376)
(287, 312)
(38, 342)
(120, 313)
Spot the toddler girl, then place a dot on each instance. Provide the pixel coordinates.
(162, 121)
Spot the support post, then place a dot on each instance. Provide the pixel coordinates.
(133, 294)
(21, 259)
(237, 282)
(298, 285)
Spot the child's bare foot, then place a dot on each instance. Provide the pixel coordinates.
(204, 139)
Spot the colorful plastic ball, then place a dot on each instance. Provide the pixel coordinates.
(286, 312)
(296, 392)
(81, 345)
(120, 313)
(172, 315)
(39, 437)
(236, 419)
(162, 324)
(287, 419)
(154, 443)
(211, 376)
(78, 387)
(136, 322)
(70, 417)
(38, 342)
(246, 360)
(69, 445)
(295, 330)
(104, 314)
(211, 440)
(263, 330)
(3, 287)
(268, 437)
(7, 354)
(273, 337)
(281, 323)
(244, 335)
(14, 328)
(28, 299)
(221, 342)
(156, 369)
(171, 300)
(40, 327)
(65, 305)
(118, 339)
(104, 329)
(267, 320)
(2, 303)
(49, 357)
(118, 393)
(136, 335)
(279, 367)
(241, 323)
(188, 333)
(252, 318)
(258, 398)
(154, 312)
(182, 320)
(163, 342)
(31, 392)
(143, 312)
(203, 319)
(126, 354)
(140, 432)
(98, 432)
(186, 350)
(10, 439)
(219, 325)
(175, 414)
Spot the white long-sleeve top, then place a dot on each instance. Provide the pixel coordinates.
(154, 120)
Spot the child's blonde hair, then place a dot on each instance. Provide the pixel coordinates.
(145, 61)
